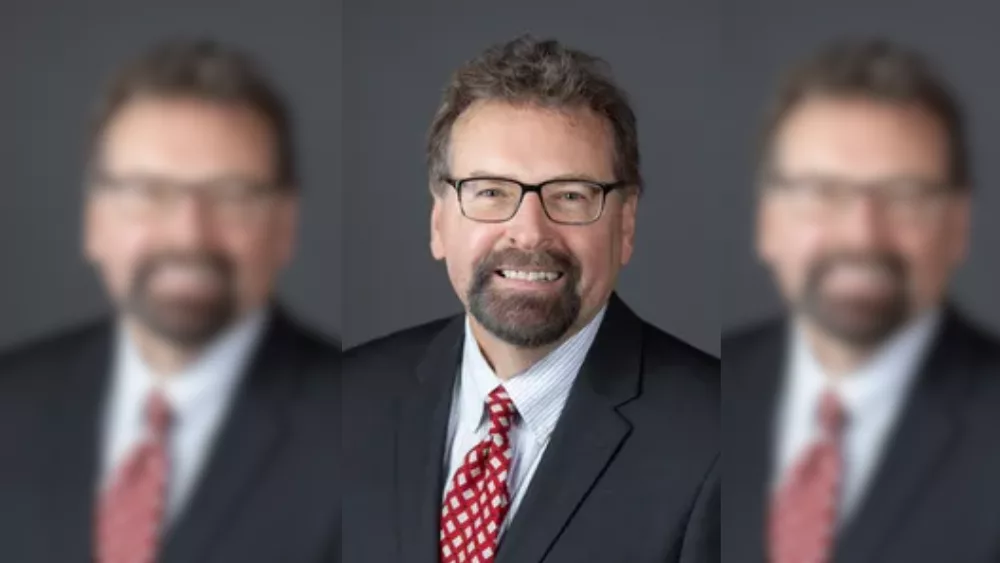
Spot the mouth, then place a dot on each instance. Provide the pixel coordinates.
(860, 280)
(186, 280)
(531, 276)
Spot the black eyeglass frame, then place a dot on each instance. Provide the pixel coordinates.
(605, 187)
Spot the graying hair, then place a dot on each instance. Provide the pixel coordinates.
(876, 69)
(544, 73)
(201, 69)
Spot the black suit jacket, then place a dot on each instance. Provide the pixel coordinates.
(935, 496)
(270, 490)
(630, 473)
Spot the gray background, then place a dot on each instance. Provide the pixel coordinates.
(398, 56)
(698, 72)
(771, 34)
(54, 58)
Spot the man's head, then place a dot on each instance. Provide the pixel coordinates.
(864, 179)
(191, 187)
(533, 265)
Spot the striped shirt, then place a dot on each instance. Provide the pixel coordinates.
(539, 394)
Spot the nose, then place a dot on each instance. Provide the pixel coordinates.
(863, 224)
(530, 227)
(189, 224)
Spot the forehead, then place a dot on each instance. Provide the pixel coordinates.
(862, 139)
(531, 143)
(187, 138)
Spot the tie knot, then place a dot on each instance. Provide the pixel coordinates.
(831, 414)
(500, 406)
(158, 415)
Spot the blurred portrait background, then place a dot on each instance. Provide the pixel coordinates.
(57, 56)
(772, 35)
(399, 55)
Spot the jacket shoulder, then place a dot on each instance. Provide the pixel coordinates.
(401, 348)
(667, 347)
(33, 363)
(743, 338)
(314, 344)
(673, 365)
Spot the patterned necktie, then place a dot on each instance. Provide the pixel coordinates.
(130, 513)
(804, 511)
(477, 501)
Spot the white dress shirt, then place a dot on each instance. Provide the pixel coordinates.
(539, 395)
(872, 397)
(199, 397)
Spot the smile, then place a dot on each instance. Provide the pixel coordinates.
(523, 275)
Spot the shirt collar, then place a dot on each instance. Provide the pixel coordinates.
(540, 392)
(214, 374)
(884, 379)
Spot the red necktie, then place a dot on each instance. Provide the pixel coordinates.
(477, 500)
(804, 511)
(130, 513)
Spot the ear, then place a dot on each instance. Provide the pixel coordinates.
(437, 236)
(629, 210)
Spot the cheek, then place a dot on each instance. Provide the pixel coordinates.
(599, 254)
(119, 250)
(465, 245)
(257, 253)
(930, 255)
(792, 247)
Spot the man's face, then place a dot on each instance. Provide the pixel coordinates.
(528, 280)
(184, 220)
(860, 226)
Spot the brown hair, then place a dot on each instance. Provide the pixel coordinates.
(546, 73)
(876, 69)
(207, 70)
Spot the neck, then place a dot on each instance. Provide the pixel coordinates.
(837, 357)
(506, 359)
(164, 358)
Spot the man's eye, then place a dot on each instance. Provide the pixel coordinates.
(151, 190)
(490, 193)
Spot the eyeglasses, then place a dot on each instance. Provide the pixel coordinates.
(564, 201)
(904, 201)
(148, 197)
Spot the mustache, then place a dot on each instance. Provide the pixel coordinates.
(514, 258)
(889, 262)
(217, 263)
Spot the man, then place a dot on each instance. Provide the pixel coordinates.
(548, 423)
(862, 427)
(197, 425)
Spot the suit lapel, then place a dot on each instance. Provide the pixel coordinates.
(752, 384)
(421, 433)
(68, 477)
(247, 441)
(916, 448)
(589, 432)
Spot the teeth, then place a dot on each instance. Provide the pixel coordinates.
(859, 277)
(870, 275)
(186, 276)
(530, 276)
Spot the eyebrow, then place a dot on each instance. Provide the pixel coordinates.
(567, 176)
(146, 175)
(890, 179)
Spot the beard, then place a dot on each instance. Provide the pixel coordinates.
(525, 319)
(862, 321)
(186, 321)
